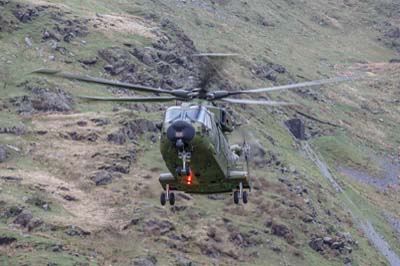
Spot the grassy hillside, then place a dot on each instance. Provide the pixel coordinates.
(80, 185)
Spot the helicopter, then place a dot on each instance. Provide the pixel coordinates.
(194, 143)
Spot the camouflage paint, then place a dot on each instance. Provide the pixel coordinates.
(211, 160)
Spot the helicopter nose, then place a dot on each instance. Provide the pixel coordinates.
(180, 130)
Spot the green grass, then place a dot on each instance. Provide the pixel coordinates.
(340, 150)
(37, 250)
(295, 41)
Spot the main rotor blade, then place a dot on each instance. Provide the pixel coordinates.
(130, 99)
(301, 85)
(246, 101)
(101, 81)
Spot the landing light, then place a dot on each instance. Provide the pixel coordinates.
(190, 177)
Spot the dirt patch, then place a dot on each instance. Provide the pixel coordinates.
(88, 211)
(390, 174)
(109, 23)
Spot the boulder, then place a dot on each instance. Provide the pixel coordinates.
(100, 121)
(73, 230)
(182, 261)
(25, 15)
(11, 211)
(317, 244)
(144, 261)
(118, 137)
(5, 240)
(102, 178)
(12, 178)
(23, 219)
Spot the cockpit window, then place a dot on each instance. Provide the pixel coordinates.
(193, 114)
(172, 114)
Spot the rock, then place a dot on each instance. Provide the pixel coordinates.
(116, 168)
(82, 123)
(240, 239)
(118, 137)
(144, 261)
(12, 178)
(147, 59)
(52, 101)
(282, 231)
(28, 42)
(34, 223)
(269, 71)
(134, 221)
(100, 121)
(89, 61)
(44, 99)
(296, 127)
(70, 29)
(92, 137)
(347, 249)
(164, 68)
(47, 34)
(337, 245)
(26, 15)
(38, 202)
(182, 261)
(139, 126)
(393, 33)
(4, 2)
(102, 178)
(11, 212)
(69, 198)
(347, 261)
(316, 244)
(328, 240)
(17, 130)
(159, 227)
(209, 251)
(73, 230)
(23, 219)
(5, 240)
(3, 155)
(56, 248)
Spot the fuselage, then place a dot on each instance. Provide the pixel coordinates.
(210, 158)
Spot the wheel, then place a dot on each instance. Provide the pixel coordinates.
(163, 198)
(171, 198)
(236, 197)
(244, 197)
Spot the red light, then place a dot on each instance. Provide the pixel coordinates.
(190, 177)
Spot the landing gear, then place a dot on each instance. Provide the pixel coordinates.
(244, 197)
(167, 196)
(183, 171)
(163, 198)
(171, 198)
(236, 197)
(240, 194)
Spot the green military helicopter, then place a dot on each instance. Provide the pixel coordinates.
(194, 143)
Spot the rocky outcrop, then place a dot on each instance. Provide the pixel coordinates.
(43, 99)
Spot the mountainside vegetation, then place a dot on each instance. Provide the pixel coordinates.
(79, 181)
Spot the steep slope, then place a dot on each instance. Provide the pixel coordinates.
(79, 184)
